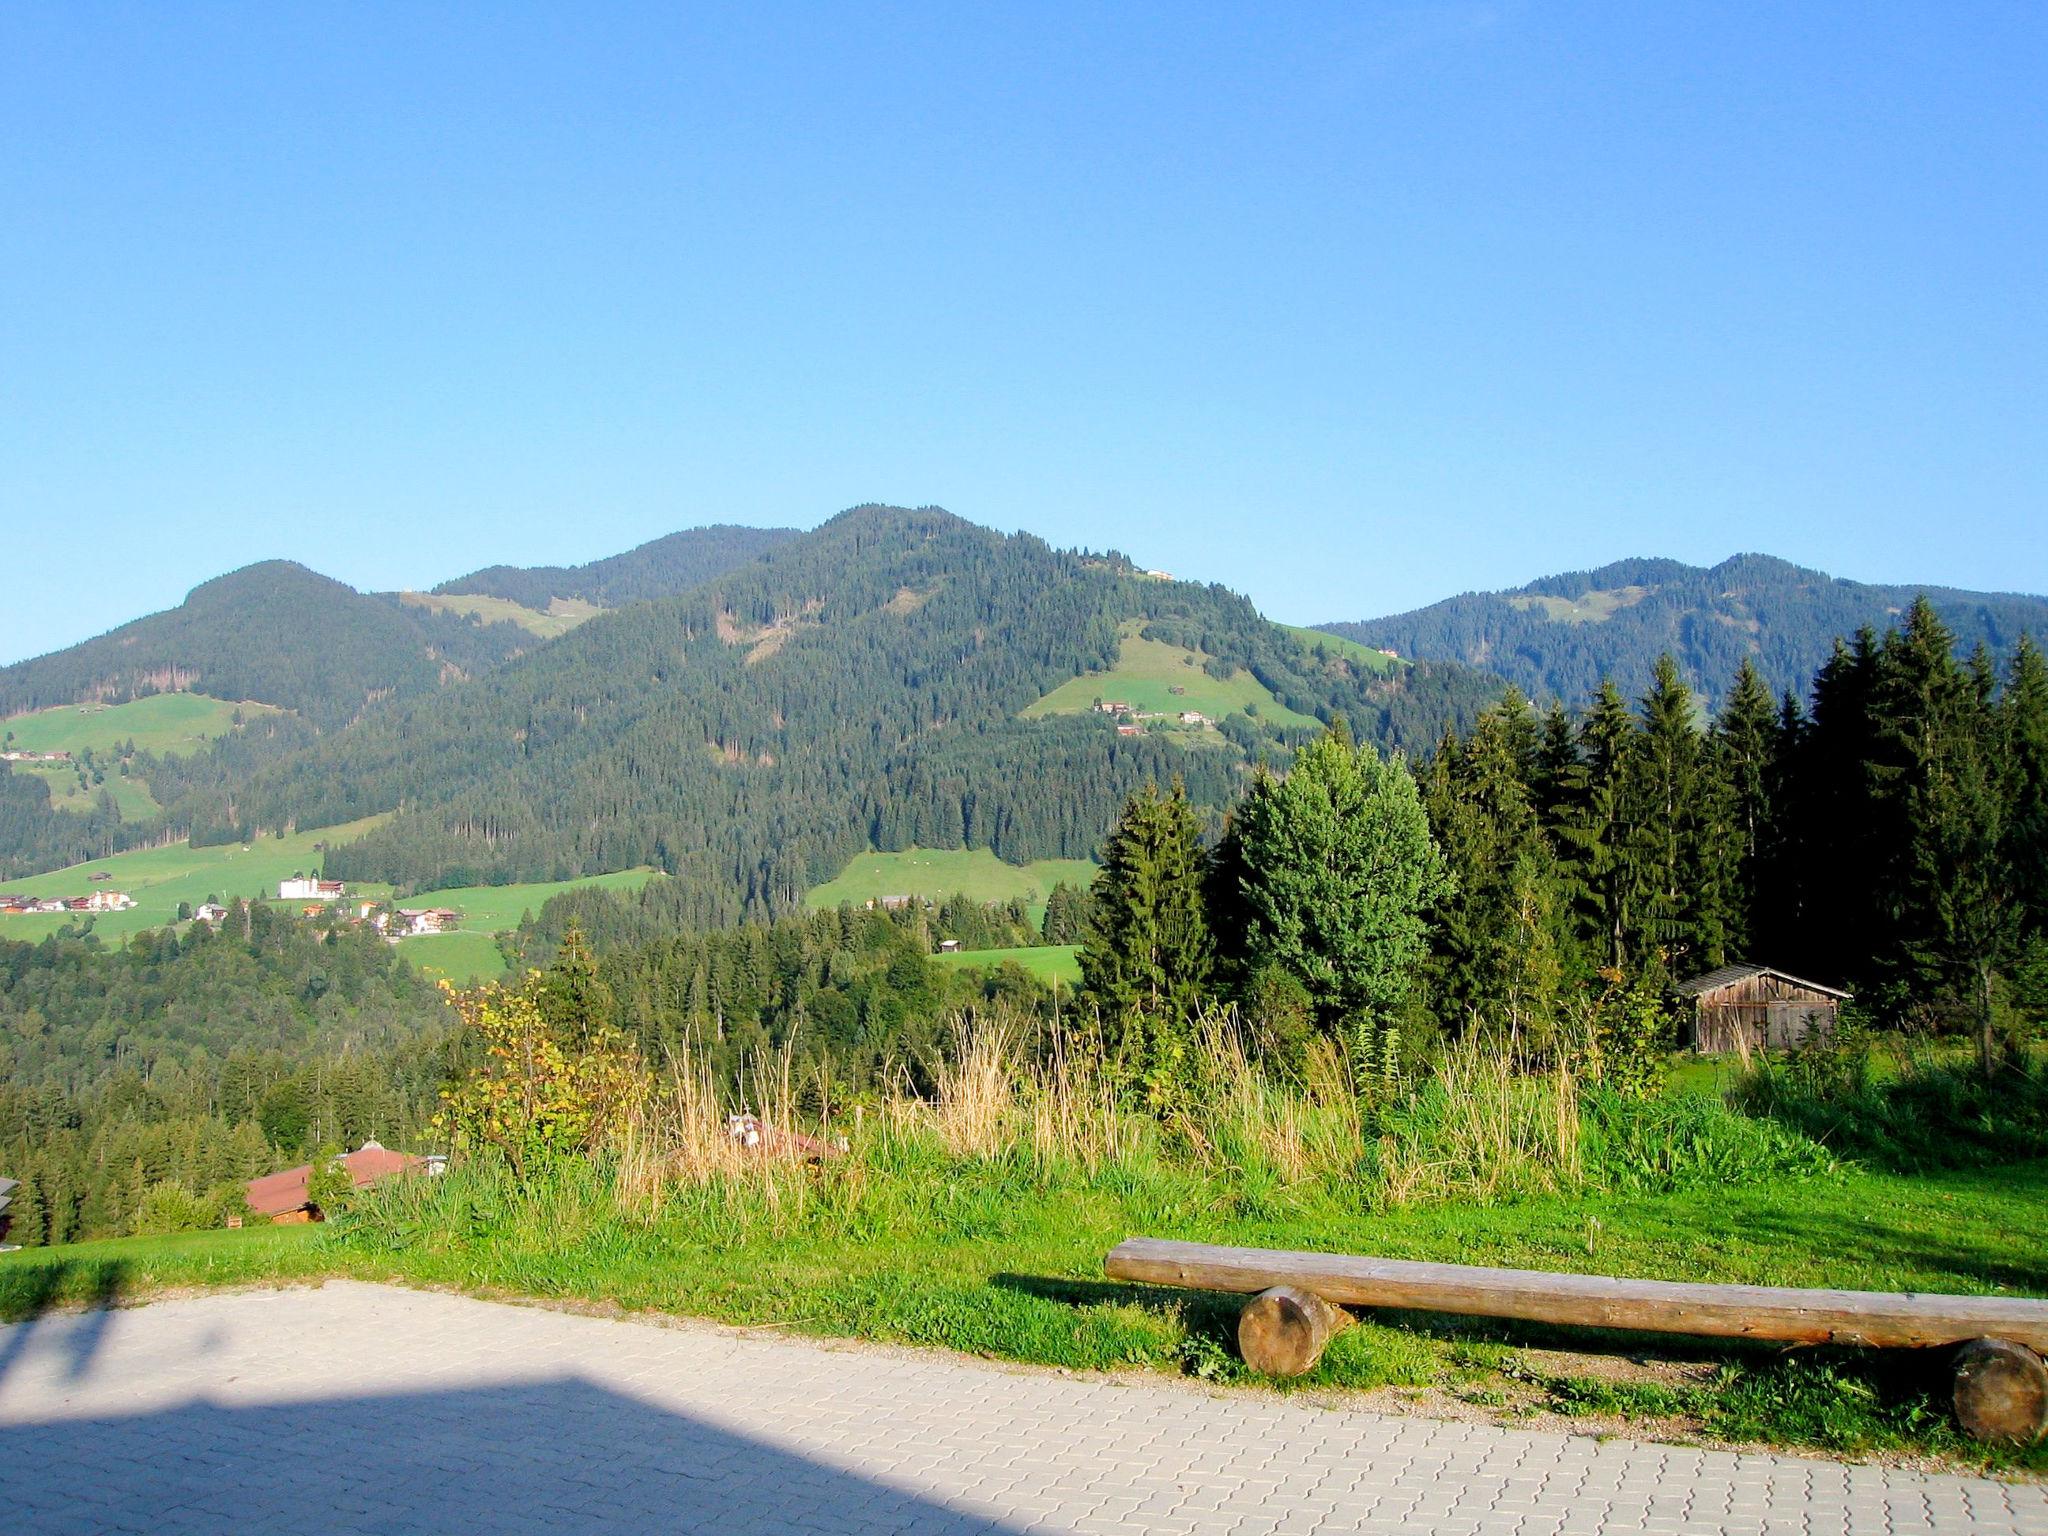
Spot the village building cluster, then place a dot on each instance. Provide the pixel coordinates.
(1130, 720)
(13, 904)
(393, 922)
(16, 755)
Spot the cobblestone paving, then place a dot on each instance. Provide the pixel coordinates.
(365, 1408)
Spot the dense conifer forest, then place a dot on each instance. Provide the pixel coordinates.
(663, 567)
(140, 1086)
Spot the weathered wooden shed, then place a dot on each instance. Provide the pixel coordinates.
(1752, 1007)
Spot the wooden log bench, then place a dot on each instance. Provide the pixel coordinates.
(2000, 1389)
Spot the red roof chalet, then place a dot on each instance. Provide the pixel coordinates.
(282, 1196)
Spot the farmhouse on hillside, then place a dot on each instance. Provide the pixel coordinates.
(283, 1196)
(301, 889)
(1752, 1007)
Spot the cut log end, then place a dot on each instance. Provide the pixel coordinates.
(1283, 1331)
(2001, 1392)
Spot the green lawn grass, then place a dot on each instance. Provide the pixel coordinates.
(937, 873)
(491, 908)
(996, 1260)
(1352, 651)
(126, 1269)
(1052, 962)
(163, 723)
(1147, 672)
(462, 959)
(563, 613)
(160, 878)
(988, 1258)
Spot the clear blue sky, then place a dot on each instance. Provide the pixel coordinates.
(1350, 306)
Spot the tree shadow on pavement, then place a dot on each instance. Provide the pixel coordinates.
(31, 1293)
(562, 1455)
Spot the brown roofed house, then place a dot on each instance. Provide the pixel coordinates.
(282, 1196)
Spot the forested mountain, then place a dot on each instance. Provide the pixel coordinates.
(1558, 637)
(662, 567)
(860, 686)
(276, 633)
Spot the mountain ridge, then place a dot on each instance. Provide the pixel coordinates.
(1559, 635)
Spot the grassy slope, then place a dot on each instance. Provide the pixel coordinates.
(131, 795)
(940, 872)
(982, 1258)
(1146, 673)
(471, 954)
(1051, 962)
(1352, 651)
(163, 723)
(562, 615)
(160, 878)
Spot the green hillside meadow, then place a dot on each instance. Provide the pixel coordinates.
(1146, 676)
(560, 616)
(1053, 962)
(162, 723)
(937, 873)
(161, 878)
(1369, 657)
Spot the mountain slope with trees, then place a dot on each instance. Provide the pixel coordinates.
(663, 567)
(1558, 637)
(859, 686)
(276, 633)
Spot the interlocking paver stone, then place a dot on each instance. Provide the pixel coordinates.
(367, 1408)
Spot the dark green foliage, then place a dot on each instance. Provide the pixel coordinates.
(143, 1084)
(1068, 913)
(1146, 959)
(662, 567)
(1337, 874)
(1752, 608)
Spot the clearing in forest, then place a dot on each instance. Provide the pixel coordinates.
(937, 873)
(562, 615)
(1155, 678)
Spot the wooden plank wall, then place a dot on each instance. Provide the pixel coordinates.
(1762, 1012)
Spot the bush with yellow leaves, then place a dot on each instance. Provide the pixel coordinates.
(548, 1087)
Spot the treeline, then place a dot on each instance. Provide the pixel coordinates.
(851, 994)
(1893, 839)
(144, 1084)
(661, 567)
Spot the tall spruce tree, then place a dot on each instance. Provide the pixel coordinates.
(1148, 954)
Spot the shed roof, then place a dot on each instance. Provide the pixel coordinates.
(276, 1193)
(1728, 975)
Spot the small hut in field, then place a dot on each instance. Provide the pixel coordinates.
(1752, 1007)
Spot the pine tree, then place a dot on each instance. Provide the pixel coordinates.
(1147, 957)
(2023, 740)
(1661, 790)
(1592, 829)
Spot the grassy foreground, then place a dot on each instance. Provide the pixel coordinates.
(996, 1261)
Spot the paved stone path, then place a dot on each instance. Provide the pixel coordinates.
(364, 1408)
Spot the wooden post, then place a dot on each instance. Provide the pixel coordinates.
(2001, 1392)
(1282, 1332)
